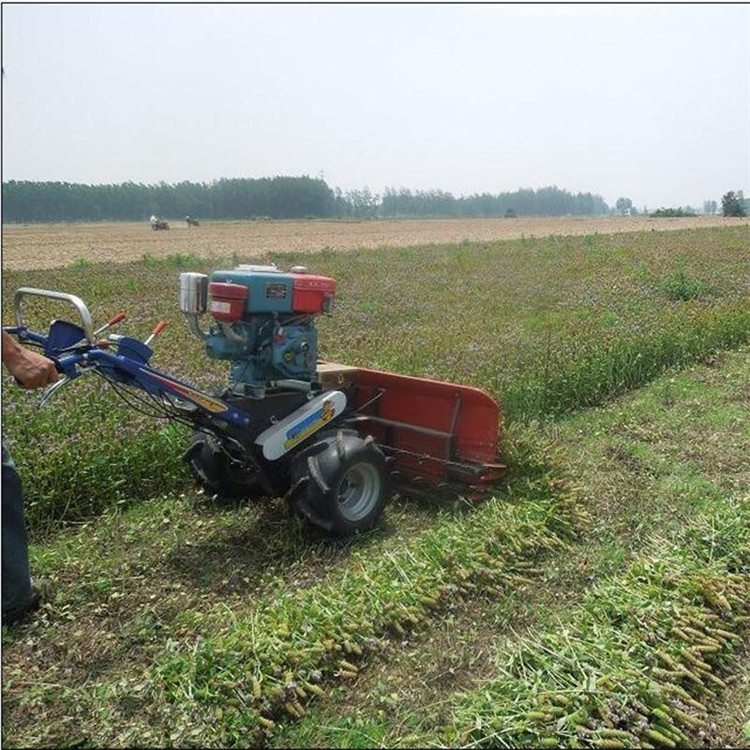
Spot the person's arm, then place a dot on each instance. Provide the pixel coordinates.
(32, 370)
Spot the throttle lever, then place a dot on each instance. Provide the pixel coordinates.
(158, 328)
(113, 321)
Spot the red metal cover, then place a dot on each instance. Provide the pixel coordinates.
(312, 294)
(227, 290)
(452, 421)
(226, 301)
(304, 281)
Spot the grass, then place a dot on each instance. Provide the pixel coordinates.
(546, 325)
(81, 264)
(235, 651)
(177, 609)
(180, 622)
(658, 493)
(173, 260)
(681, 286)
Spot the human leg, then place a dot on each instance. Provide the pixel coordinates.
(16, 586)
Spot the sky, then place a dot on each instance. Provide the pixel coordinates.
(650, 102)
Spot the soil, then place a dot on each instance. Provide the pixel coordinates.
(29, 246)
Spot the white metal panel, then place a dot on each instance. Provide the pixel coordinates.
(300, 424)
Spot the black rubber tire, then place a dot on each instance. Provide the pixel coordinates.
(216, 472)
(341, 483)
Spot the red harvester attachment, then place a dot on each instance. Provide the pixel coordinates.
(436, 435)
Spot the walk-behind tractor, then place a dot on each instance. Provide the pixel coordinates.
(334, 440)
(157, 223)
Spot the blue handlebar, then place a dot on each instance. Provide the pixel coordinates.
(130, 367)
(24, 334)
(67, 365)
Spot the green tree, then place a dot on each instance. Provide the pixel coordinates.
(280, 197)
(731, 205)
(623, 206)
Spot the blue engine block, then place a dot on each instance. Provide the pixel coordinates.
(269, 350)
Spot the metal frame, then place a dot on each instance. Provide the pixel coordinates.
(77, 302)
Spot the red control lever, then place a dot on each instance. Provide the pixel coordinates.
(118, 318)
(158, 328)
(114, 321)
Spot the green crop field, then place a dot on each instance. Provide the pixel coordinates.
(600, 598)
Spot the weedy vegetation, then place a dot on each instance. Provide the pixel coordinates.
(681, 286)
(602, 591)
(546, 326)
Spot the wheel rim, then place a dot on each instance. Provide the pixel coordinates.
(358, 491)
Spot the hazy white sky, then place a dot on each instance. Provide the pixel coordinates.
(650, 102)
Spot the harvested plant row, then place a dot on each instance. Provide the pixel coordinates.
(637, 663)
(290, 646)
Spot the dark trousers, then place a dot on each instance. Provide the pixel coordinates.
(15, 553)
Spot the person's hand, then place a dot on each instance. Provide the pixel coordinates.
(30, 369)
(34, 370)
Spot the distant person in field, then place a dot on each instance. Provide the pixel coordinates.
(20, 594)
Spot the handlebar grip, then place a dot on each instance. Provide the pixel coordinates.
(118, 318)
(159, 327)
(67, 365)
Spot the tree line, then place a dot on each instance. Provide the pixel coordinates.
(276, 197)
(273, 197)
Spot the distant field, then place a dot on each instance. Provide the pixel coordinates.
(53, 245)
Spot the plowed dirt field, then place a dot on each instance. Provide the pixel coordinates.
(54, 245)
